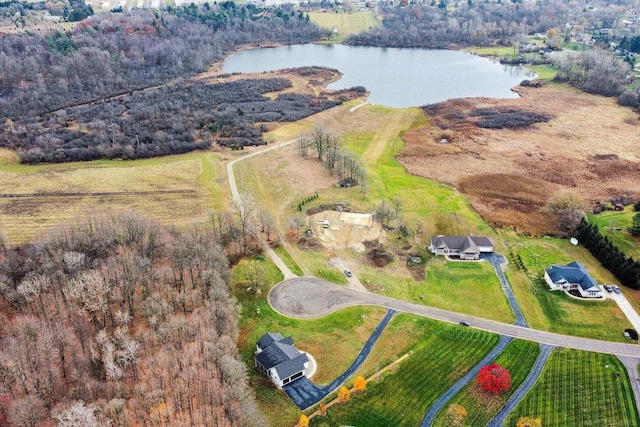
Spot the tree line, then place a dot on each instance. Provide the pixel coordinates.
(329, 149)
(482, 24)
(626, 269)
(118, 320)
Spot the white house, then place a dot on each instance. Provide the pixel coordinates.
(463, 247)
(573, 276)
(279, 360)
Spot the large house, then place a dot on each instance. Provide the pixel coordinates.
(279, 360)
(572, 276)
(463, 247)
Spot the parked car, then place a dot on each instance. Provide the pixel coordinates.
(615, 289)
(465, 323)
(348, 272)
(608, 288)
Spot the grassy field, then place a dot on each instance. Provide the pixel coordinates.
(173, 190)
(346, 22)
(491, 51)
(441, 356)
(334, 340)
(545, 72)
(555, 311)
(518, 358)
(455, 286)
(613, 225)
(578, 388)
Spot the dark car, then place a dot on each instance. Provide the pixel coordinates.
(348, 272)
(465, 323)
(608, 288)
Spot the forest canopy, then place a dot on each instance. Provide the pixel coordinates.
(117, 319)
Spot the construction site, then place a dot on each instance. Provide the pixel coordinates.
(341, 230)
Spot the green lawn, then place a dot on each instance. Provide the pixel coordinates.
(346, 22)
(518, 358)
(579, 388)
(442, 355)
(288, 260)
(455, 286)
(545, 72)
(613, 225)
(555, 311)
(491, 51)
(333, 340)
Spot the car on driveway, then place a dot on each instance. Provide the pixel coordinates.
(615, 289)
(608, 288)
(348, 272)
(464, 323)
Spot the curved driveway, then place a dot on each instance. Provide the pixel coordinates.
(310, 297)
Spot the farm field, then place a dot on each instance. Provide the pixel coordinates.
(613, 225)
(442, 355)
(173, 190)
(580, 388)
(518, 358)
(334, 340)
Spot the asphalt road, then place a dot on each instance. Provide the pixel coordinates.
(311, 297)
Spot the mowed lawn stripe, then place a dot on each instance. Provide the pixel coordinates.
(443, 355)
(518, 358)
(580, 388)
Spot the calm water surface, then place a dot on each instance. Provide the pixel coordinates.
(396, 77)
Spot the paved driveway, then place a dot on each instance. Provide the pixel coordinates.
(626, 308)
(305, 393)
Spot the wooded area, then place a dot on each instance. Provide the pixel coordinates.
(117, 320)
(76, 95)
(169, 119)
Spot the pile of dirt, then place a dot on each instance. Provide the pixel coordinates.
(589, 146)
(377, 253)
(339, 207)
(309, 243)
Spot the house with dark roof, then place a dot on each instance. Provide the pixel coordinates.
(573, 276)
(463, 247)
(279, 360)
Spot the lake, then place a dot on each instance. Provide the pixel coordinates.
(396, 77)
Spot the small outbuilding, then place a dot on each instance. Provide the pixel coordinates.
(279, 359)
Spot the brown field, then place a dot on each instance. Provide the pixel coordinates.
(174, 190)
(591, 147)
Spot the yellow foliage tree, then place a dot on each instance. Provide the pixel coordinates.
(304, 421)
(529, 422)
(360, 384)
(456, 414)
(344, 395)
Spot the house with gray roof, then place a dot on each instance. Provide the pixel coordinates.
(573, 276)
(463, 247)
(279, 359)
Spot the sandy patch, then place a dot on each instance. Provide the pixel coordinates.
(341, 230)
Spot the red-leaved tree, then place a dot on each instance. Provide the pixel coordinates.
(494, 378)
